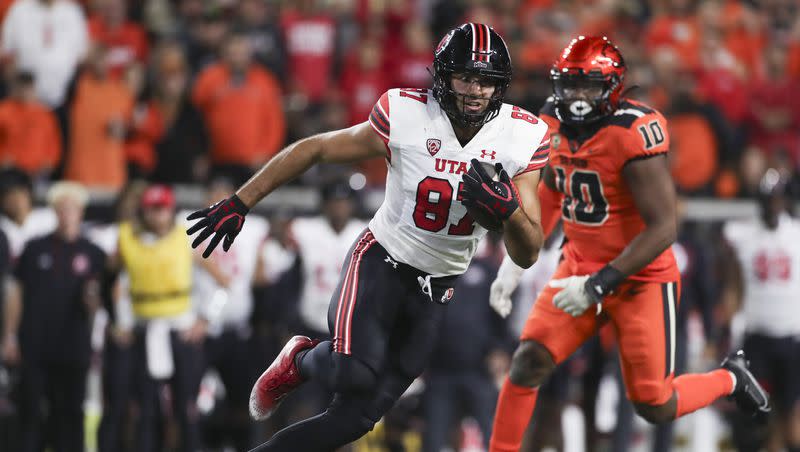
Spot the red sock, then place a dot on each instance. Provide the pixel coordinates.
(697, 391)
(514, 411)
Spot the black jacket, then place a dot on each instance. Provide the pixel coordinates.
(53, 275)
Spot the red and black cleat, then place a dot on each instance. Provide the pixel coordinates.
(279, 380)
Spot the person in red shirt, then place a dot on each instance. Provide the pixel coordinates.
(409, 69)
(30, 138)
(773, 118)
(126, 41)
(310, 39)
(721, 78)
(242, 109)
(364, 80)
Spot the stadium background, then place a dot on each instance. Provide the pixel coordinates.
(133, 106)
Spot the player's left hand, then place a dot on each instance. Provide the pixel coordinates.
(575, 297)
(505, 283)
(223, 219)
(495, 197)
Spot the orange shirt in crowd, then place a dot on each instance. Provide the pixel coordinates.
(245, 121)
(97, 156)
(29, 136)
(148, 128)
(693, 153)
(126, 44)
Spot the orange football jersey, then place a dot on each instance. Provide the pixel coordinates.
(597, 208)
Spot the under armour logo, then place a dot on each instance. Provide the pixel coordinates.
(490, 154)
(390, 261)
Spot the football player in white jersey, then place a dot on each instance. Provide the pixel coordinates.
(398, 277)
(763, 275)
(322, 243)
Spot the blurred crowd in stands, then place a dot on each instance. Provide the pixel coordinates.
(176, 91)
(123, 96)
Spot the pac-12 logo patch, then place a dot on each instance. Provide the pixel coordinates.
(433, 145)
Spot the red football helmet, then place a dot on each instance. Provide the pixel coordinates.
(587, 80)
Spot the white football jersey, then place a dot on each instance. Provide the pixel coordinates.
(238, 264)
(770, 262)
(421, 222)
(323, 252)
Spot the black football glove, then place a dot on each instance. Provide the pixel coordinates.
(223, 219)
(497, 198)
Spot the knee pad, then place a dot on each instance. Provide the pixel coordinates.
(655, 414)
(531, 364)
(352, 376)
(650, 392)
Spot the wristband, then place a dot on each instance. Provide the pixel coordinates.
(604, 282)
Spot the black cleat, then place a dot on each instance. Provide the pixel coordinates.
(748, 394)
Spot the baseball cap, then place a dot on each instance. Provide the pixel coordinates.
(158, 195)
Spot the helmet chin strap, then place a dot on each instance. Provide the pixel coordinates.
(465, 119)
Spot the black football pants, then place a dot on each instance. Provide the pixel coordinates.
(384, 318)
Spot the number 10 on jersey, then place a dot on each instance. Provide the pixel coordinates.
(432, 210)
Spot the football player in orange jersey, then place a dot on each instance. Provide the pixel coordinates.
(609, 182)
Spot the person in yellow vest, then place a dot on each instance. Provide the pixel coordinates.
(154, 310)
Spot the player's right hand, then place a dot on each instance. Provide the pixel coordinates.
(496, 198)
(223, 219)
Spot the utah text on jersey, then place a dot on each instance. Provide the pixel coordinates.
(421, 221)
